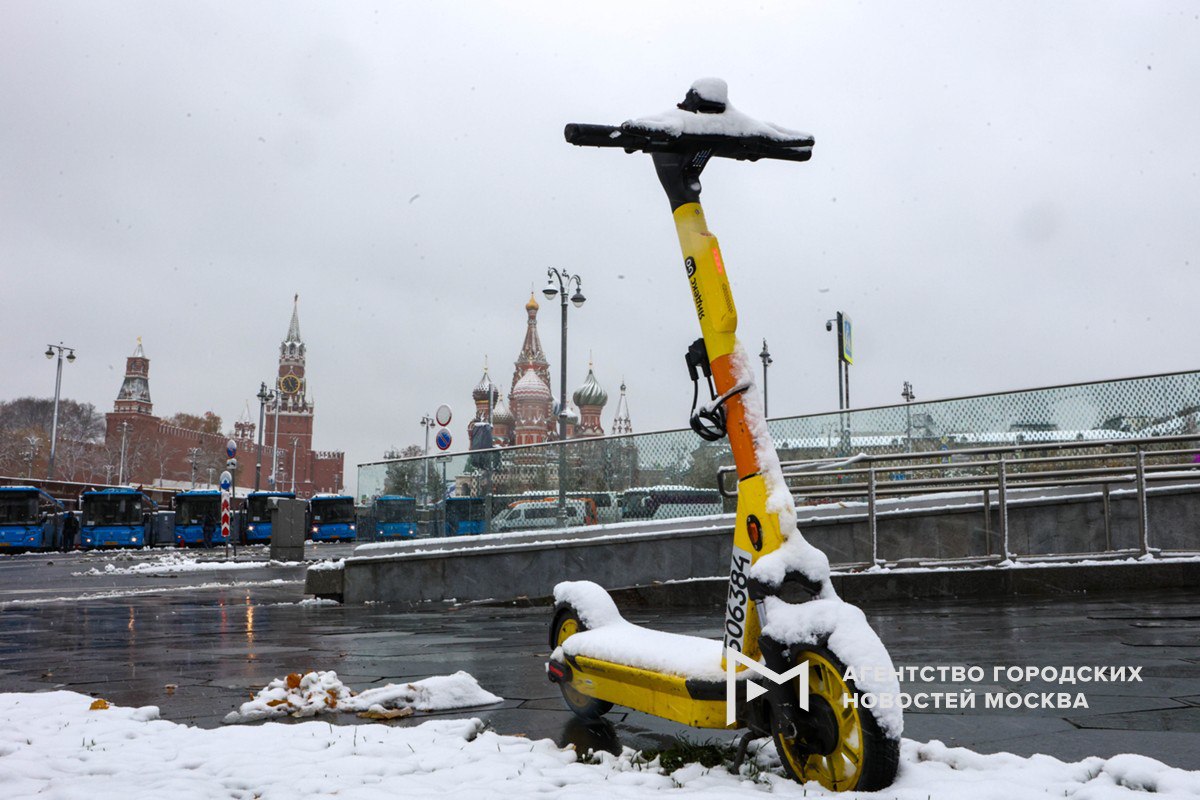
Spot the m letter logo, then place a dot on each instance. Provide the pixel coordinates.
(753, 690)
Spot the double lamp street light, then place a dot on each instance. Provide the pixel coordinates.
(50, 351)
(557, 285)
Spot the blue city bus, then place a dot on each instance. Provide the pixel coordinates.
(332, 517)
(395, 517)
(29, 519)
(190, 510)
(464, 516)
(116, 518)
(258, 515)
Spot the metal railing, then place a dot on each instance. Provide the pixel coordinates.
(618, 470)
(999, 472)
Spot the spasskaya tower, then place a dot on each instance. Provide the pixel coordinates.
(297, 467)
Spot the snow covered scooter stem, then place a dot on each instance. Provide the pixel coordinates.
(599, 659)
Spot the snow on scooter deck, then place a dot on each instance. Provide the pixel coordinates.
(610, 637)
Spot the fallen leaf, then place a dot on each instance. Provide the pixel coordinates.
(387, 713)
(99, 704)
(293, 680)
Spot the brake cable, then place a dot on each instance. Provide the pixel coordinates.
(708, 420)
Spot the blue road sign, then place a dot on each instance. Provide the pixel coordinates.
(443, 439)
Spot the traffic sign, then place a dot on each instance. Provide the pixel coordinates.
(231, 463)
(442, 415)
(226, 481)
(443, 439)
(225, 515)
(231, 448)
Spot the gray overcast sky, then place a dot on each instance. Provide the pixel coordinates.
(1002, 195)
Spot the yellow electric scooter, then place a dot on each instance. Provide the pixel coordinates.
(828, 725)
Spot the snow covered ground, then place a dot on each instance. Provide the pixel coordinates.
(53, 744)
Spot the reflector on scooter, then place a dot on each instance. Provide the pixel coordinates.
(754, 531)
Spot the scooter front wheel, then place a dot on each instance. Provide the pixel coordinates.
(566, 624)
(849, 752)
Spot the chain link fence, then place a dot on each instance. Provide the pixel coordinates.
(668, 474)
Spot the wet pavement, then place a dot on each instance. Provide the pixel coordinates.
(114, 626)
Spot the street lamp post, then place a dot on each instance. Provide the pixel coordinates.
(273, 480)
(427, 422)
(843, 367)
(121, 470)
(295, 443)
(765, 355)
(558, 284)
(265, 396)
(907, 394)
(50, 351)
(829, 323)
(193, 452)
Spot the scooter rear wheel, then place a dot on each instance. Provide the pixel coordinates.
(566, 624)
(859, 756)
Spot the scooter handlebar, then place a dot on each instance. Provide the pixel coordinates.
(744, 148)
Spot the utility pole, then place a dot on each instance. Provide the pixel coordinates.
(907, 394)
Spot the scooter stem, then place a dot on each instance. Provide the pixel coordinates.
(757, 531)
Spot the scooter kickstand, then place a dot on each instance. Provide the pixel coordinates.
(740, 757)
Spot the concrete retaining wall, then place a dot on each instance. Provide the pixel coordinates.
(498, 569)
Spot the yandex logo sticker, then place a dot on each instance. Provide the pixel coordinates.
(734, 657)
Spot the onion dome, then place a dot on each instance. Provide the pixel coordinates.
(501, 415)
(531, 387)
(532, 305)
(591, 393)
(485, 385)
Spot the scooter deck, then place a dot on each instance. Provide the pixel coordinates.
(696, 702)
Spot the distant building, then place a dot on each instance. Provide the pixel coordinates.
(156, 452)
(529, 415)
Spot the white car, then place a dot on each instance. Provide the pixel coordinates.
(535, 514)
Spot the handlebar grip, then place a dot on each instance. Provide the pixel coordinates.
(592, 135)
(612, 136)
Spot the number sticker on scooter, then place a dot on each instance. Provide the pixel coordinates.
(738, 602)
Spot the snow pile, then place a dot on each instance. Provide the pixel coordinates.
(321, 566)
(51, 745)
(610, 637)
(731, 122)
(316, 601)
(173, 563)
(844, 629)
(319, 692)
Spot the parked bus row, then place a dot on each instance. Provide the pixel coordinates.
(31, 519)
